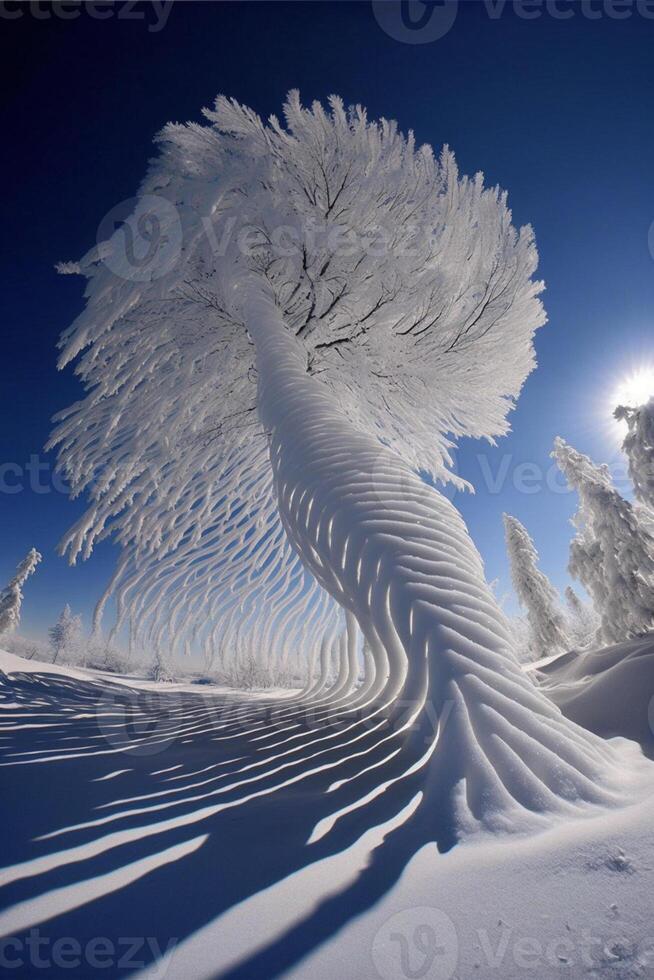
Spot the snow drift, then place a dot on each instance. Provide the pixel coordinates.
(608, 691)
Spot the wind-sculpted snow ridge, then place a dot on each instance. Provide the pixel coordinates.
(212, 590)
(399, 557)
(195, 786)
(254, 422)
(404, 285)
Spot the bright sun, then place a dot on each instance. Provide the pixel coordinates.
(635, 389)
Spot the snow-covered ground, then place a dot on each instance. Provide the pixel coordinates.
(188, 830)
(609, 691)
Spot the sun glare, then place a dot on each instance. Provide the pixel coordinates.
(634, 389)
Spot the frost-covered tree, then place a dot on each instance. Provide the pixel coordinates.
(575, 605)
(21, 646)
(101, 656)
(160, 669)
(522, 639)
(535, 592)
(638, 446)
(297, 318)
(66, 635)
(612, 554)
(12, 597)
(582, 620)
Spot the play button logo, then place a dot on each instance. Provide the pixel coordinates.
(415, 21)
(416, 944)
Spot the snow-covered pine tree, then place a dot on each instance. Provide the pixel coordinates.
(160, 669)
(66, 635)
(312, 304)
(522, 638)
(575, 605)
(12, 597)
(535, 592)
(582, 620)
(612, 554)
(638, 446)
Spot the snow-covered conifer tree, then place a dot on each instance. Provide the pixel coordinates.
(276, 342)
(12, 597)
(583, 621)
(522, 638)
(160, 669)
(638, 446)
(66, 635)
(612, 554)
(535, 592)
(575, 604)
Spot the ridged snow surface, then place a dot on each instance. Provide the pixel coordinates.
(315, 312)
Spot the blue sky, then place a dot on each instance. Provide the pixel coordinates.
(558, 111)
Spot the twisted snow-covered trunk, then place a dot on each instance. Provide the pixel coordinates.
(396, 555)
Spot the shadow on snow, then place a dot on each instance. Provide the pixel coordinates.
(149, 814)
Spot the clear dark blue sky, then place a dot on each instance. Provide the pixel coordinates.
(558, 111)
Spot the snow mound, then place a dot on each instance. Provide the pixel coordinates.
(10, 663)
(609, 691)
(218, 803)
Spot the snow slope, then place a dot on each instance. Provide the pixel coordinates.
(196, 821)
(10, 664)
(609, 691)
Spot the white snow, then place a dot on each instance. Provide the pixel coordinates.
(29, 913)
(575, 899)
(557, 904)
(610, 691)
(10, 664)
